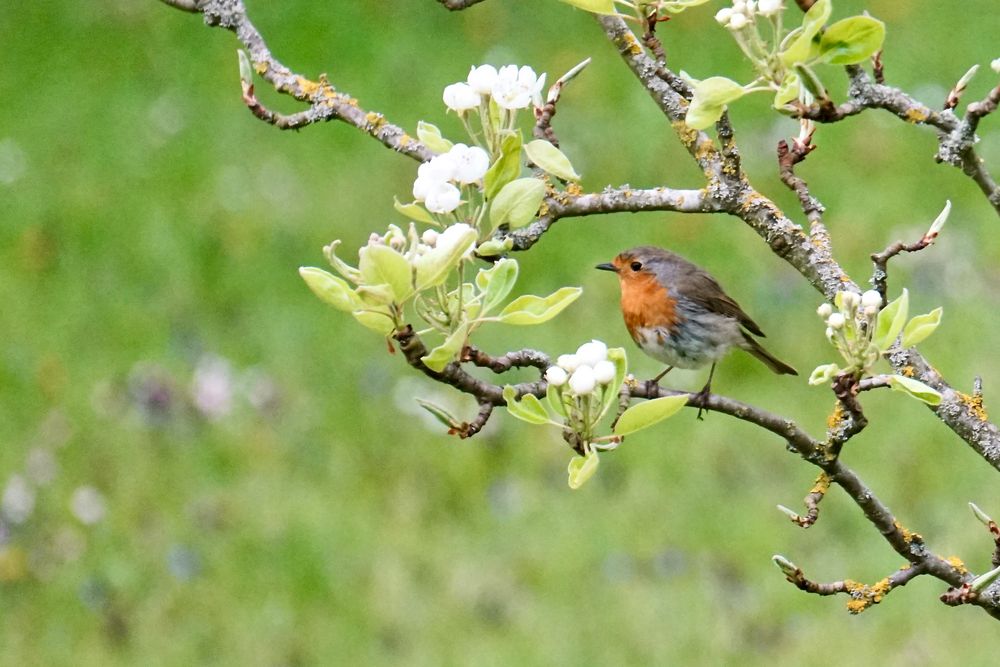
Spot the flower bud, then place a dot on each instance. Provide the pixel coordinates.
(582, 381)
(430, 237)
(835, 321)
(556, 376)
(871, 299)
(850, 300)
(568, 362)
(769, 7)
(604, 372)
(590, 354)
(824, 310)
(723, 15)
(995, 65)
(482, 78)
(460, 97)
(738, 21)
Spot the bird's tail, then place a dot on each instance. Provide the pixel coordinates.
(772, 362)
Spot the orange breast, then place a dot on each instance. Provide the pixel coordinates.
(646, 303)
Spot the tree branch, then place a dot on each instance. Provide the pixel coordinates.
(458, 5)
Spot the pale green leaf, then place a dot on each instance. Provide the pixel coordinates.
(507, 167)
(493, 247)
(415, 211)
(582, 468)
(497, 282)
(647, 413)
(380, 264)
(528, 408)
(852, 40)
(596, 6)
(375, 320)
(678, 6)
(921, 326)
(916, 389)
(448, 351)
(517, 203)
(554, 397)
(430, 136)
(432, 268)
(823, 374)
(342, 267)
(791, 87)
(616, 355)
(376, 295)
(551, 159)
(530, 309)
(439, 413)
(890, 322)
(331, 289)
(801, 47)
(711, 95)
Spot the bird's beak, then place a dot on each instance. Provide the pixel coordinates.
(607, 267)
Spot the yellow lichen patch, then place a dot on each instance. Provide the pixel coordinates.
(405, 140)
(307, 87)
(864, 596)
(684, 133)
(908, 371)
(261, 67)
(835, 417)
(375, 120)
(632, 44)
(917, 115)
(907, 535)
(957, 563)
(822, 484)
(975, 405)
(574, 189)
(857, 606)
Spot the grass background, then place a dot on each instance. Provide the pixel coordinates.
(151, 229)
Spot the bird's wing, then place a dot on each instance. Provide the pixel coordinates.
(709, 294)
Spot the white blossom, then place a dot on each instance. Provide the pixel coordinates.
(769, 7)
(516, 88)
(568, 362)
(438, 168)
(835, 321)
(429, 237)
(471, 163)
(556, 376)
(824, 310)
(453, 236)
(604, 372)
(723, 15)
(442, 197)
(850, 300)
(995, 65)
(460, 97)
(482, 78)
(871, 299)
(591, 353)
(738, 21)
(582, 381)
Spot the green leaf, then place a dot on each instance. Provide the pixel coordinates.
(678, 6)
(342, 267)
(582, 468)
(647, 413)
(552, 394)
(916, 389)
(493, 247)
(431, 137)
(506, 168)
(330, 289)
(380, 264)
(376, 295)
(448, 351)
(852, 40)
(596, 6)
(439, 413)
(789, 90)
(530, 309)
(801, 47)
(415, 211)
(890, 322)
(517, 203)
(528, 409)
(616, 355)
(496, 283)
(376, 320)
(432, 268)
(551, 159)
(921, 326)
(823, 374)
(711, 95)
(246, 69)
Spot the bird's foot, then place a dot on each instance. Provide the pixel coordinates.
(701, 400)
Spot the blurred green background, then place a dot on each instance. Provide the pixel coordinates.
(202, 464)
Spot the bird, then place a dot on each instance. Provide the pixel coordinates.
(677, 313)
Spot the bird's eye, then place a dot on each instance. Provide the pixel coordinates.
(636, 266)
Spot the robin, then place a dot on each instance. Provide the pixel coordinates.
(678, 314)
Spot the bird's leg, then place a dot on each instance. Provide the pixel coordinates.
(655, 382)
(702, 396)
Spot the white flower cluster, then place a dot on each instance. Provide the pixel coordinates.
(742, 13)
(411, 247)
(512, 87)
(436, 178)
(852, 327)
(584, 371)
